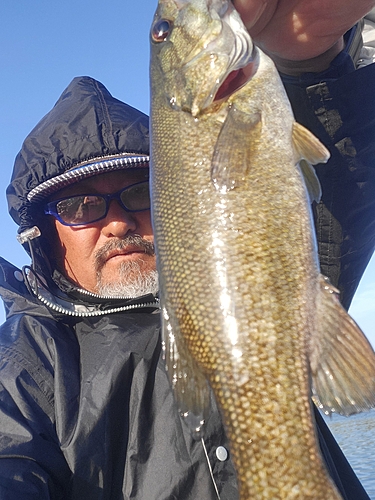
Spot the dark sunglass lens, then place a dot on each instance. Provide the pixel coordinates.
(136, 197)
(81, 209)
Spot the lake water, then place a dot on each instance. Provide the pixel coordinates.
(356, 436)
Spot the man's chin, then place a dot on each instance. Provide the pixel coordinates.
(131, 279)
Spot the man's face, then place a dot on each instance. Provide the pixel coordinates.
(105, 253)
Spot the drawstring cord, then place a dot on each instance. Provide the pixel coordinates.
(210, 468)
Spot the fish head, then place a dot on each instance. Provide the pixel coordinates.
(200, 52)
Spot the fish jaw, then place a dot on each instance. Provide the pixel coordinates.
(218, 46)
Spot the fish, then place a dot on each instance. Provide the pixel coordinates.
(245, 311)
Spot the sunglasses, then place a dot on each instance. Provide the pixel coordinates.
(84, 209)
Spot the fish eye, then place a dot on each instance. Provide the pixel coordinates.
(161, 30)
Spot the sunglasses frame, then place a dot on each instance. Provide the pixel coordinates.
(51, 207)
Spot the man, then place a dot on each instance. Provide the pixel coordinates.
(86, 408)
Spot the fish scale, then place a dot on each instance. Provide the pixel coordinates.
(194, 265)
(236, 253)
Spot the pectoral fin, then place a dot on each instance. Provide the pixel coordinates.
(232, 153)
(342, 360)
(309, 151)
(190, 387)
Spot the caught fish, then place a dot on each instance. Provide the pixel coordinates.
(245, 309)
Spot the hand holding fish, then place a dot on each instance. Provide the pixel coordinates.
(301, 35)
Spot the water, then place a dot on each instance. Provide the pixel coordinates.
(356, 436)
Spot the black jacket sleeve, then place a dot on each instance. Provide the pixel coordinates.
(32, 465)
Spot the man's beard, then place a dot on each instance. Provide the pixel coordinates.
(132, 280)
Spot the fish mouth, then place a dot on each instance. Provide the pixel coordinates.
(237, 79)
(231, 53)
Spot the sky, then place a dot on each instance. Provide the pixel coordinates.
(44, 44)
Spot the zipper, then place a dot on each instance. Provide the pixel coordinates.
(38, 289)
(59, 308)
(88, 168)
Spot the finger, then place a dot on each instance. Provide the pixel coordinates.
(250, 11)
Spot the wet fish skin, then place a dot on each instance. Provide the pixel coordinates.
(242, 297)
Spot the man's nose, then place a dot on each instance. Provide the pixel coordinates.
(118, 222)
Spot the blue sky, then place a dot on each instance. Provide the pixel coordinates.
(44, 44)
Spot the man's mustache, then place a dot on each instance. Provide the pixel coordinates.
(134, 240)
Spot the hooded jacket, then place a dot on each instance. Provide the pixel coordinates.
(86, 408)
